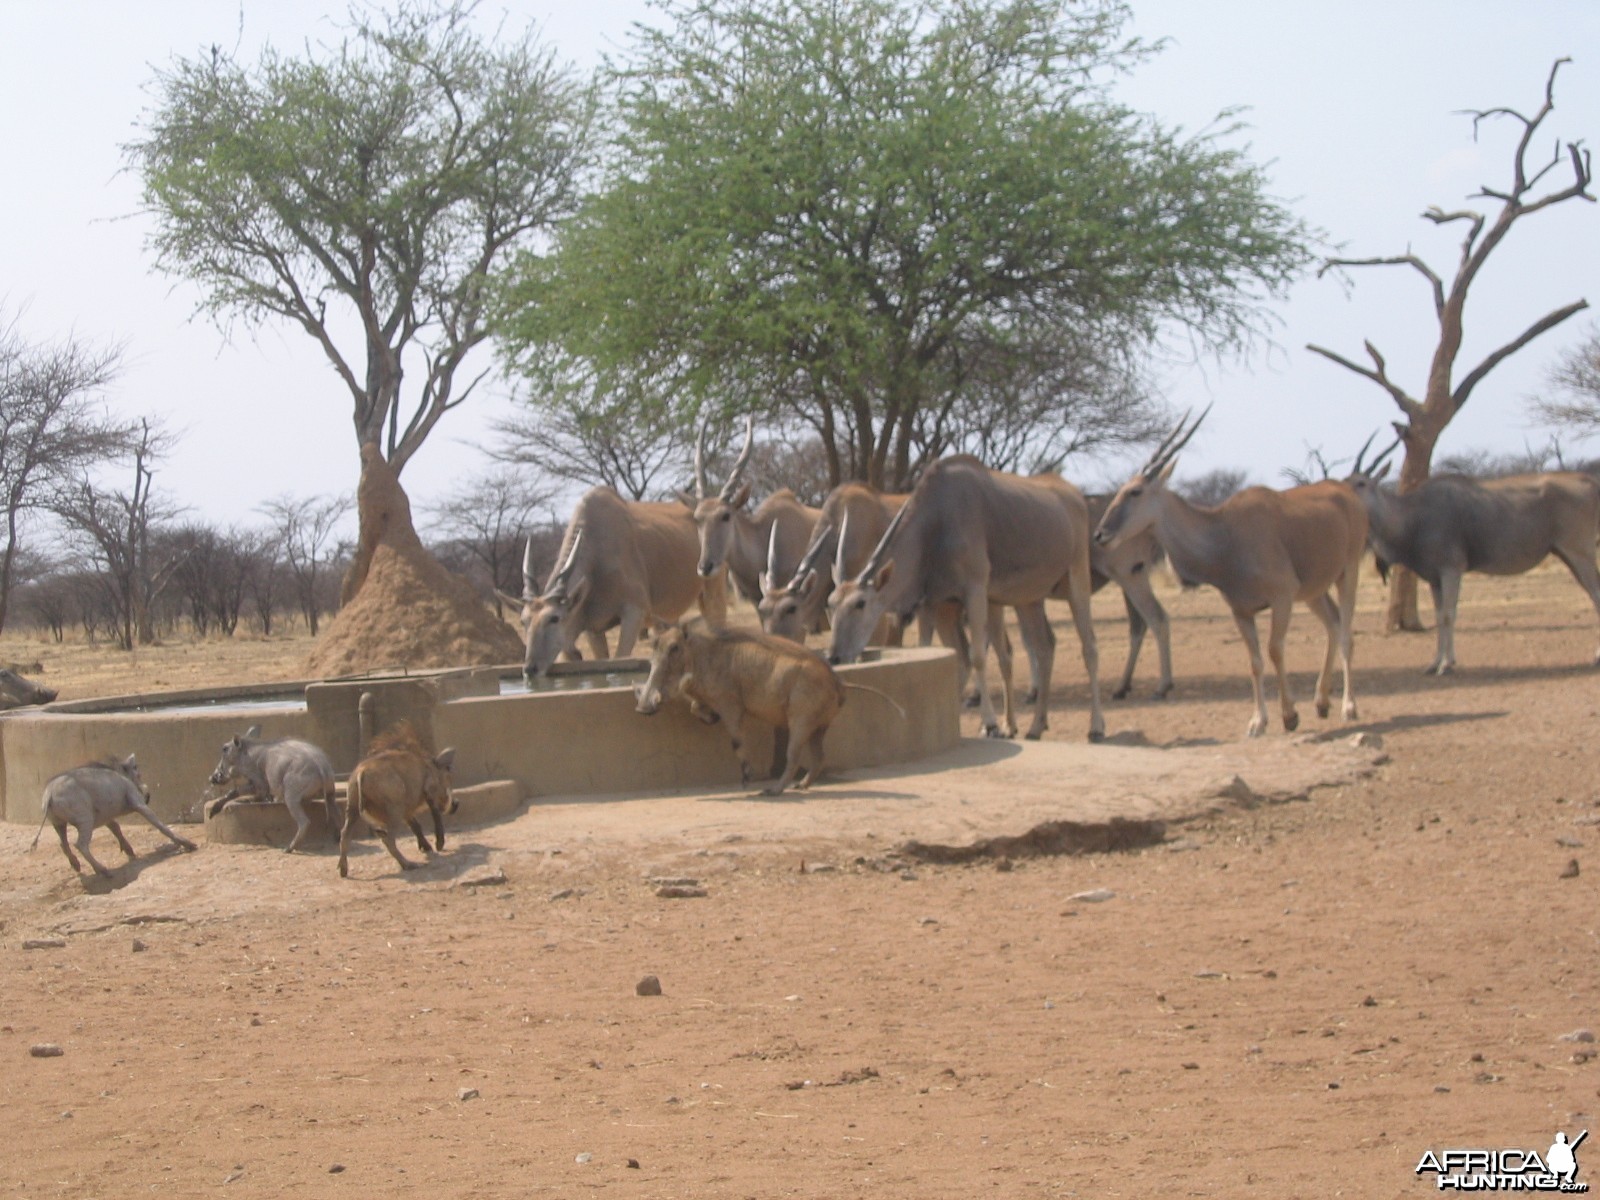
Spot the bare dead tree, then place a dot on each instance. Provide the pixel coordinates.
(489, 518)
(1575, 380)
(1443, 397)
(52, 427)
(304, 529)
(114, 530)
(1215, 486)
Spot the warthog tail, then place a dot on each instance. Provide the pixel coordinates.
(861, 687)
(43, 817)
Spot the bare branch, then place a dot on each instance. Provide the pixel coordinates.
(1544, 324)
(1398, 260)
(1379, 376)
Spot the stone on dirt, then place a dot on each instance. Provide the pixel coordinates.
(46, 1050)
(648, 986)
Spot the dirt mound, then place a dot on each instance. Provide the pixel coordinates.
(401, 608)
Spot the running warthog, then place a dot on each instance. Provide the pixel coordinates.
(734, 673)
(93, 795)
(288, 770)
(391, 787)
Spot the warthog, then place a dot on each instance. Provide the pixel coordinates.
(734, 673)
(391, 786)
(93, 795)
(16, 691)
(288, 770)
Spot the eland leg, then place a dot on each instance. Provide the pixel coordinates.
(1079, 591)
(1252, 644)
(1446, 596)
(1326, 611)
(1277, 630)
(1348, 585)
(1140, 598)
(628, 634)
(976, 617)
(1040, 641)
(1584, 570)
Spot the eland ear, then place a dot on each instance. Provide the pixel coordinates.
(445, 758)
(577, 592)
(688, 501)
(740, 497)
(882, 577)
(1380, 473)
(1165, 474)
(802, 586)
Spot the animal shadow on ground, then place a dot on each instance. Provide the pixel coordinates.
(121, 875)
(1382, 681)
(1410, 721)
(456, 858)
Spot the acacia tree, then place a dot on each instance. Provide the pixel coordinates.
(1443, 395)
(828, 206)
(52, 427)
(371, 186)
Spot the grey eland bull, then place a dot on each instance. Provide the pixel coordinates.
(395, 781)
(977, 538)
(732, 674)
(289, 770)
(1450, 524)
(853, 519)
(623, 563)
(1262, 549)
(98, 794)
(756, 547)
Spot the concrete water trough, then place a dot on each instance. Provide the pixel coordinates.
(580, 738)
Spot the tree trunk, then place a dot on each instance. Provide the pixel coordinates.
(1403, 614)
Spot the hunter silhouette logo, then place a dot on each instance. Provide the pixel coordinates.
(1508, 1170)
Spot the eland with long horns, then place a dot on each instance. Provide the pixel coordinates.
(1450, 524)
(1262, 549)
(754, 546)
(622, 563)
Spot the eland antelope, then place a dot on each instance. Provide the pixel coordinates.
(1262, 549)
(622, 563)
(755, 546)
(981, 538)
(1450, 524)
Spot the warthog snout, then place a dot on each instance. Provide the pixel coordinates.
(835, 659)
(219, 777)
(706, 570)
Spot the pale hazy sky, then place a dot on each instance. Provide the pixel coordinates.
(1353, 104)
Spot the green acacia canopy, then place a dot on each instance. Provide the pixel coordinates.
(837, 207)
(365, 192)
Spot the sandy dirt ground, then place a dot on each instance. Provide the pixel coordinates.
(1364, 953)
